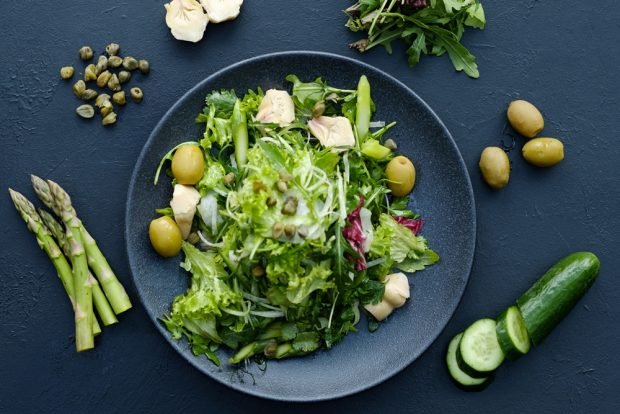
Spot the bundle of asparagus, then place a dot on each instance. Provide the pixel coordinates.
(83, 289)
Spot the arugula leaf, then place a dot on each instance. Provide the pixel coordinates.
(308, 93)
(475, 17)
(371, 292)
(223, 101)
(461, 58)
(432, 30)
(418, 46)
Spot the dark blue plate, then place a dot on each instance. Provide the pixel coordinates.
(443, 196)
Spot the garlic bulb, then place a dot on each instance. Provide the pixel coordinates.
(222, 10)
(186, 20)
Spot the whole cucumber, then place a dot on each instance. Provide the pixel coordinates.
(546, 303)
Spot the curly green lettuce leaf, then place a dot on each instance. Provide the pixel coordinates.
(212, 179)
(401, 246)
(301, 285)
(207, 298)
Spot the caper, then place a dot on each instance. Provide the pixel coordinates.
(85, 111)
(285, 176)
(130, 63)
(119, 98)
(112, 49)
(78, 88)
(99, 102)
(495, 167)
(165, 236)
(290, 206)
(89, 94)
(391, 144)
(303, 231)
(113, 83)
(525, 118)
(543, 152)
(258, 186)
(115, 61)
(271, 201)
(124, 76)
(103, 79)
(102, 65)
(290, 230)
(109, 119)
(271, 348)
(400, 173)
(86, 53)
(229, 178)
(318, 109)
(144, 66)
(66, 72)
(106, 109)
(258, 271)
(90, 73)
(193, 238)
(136, 94)
(188, 164)
(282, 186)
(277, 230)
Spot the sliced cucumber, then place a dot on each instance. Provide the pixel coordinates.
(456, 373)
(479, 353)
(512, 334)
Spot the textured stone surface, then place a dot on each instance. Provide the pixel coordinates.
(562, 57)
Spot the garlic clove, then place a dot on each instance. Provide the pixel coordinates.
(277, 107)
(186, 20)
(221, 10)
(332, 131)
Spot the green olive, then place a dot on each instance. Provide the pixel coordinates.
(543, 152)
(188, 164)
(165, 236)
(495, 167)
(400, 173)
(525, 118)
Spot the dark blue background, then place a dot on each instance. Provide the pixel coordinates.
(561, 55)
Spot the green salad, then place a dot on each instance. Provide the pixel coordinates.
(291, 213)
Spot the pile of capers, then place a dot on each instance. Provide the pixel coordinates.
(526, 120)
(105, 77)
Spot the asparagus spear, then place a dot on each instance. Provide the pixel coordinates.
(101, 303)
(111, 286)
(47, 243)
(83, 291)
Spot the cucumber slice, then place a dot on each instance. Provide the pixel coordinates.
(479, 353)
(557, 291)
(456, 373)
(512, 334)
